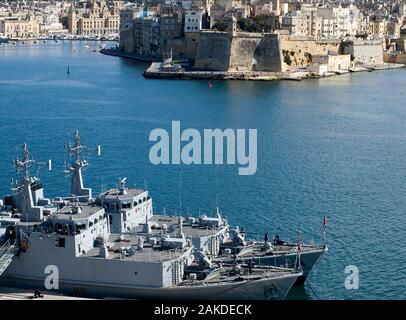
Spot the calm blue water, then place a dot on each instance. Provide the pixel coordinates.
(336, 144)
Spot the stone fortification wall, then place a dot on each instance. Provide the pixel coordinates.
(268, 53)
(299, 51)
(213, 51)
(239, 52)
(365, 52)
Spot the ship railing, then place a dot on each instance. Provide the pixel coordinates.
(7, 252)
(5, 247)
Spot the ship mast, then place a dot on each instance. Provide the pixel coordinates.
(74, 151)
(29, 190)
(24, 164)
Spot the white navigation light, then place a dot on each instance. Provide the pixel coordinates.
(98, 150)
(49, 165)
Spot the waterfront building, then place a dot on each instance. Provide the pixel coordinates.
(128, 14)
(94, 18)
(323, 22)
(318, 68)
(193, 21)
(378, 28)
(335, 62)
(149, 35)
(18, 27)
(301, 23)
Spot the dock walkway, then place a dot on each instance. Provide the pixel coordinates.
(7, 293)
(156, 70)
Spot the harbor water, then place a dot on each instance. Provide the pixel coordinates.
(336, 144)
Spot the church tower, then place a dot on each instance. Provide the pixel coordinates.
(232, 26)
(72, 20)
(116, 8)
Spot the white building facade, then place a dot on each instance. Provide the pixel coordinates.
(193, 21)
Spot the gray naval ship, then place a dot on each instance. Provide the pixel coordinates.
(152, 259)
(131, 210)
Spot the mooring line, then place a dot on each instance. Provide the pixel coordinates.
(311, 288)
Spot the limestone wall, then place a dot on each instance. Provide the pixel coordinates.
(185, 47)
(365, 52)
(213, 51)
(256, 51)
(268, 54)
(241, 52)
(299, 51)
(368, 54)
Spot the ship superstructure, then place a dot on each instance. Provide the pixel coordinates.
(131, 210)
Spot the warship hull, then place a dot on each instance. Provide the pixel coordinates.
(258, 289)
(307, 261)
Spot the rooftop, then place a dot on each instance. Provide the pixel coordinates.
(71, 211)
(117, 194)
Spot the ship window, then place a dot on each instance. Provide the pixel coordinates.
(61, 242)
(81, 226)
(145, 199)
(140, 201)
(90, 224)
(96, 221)
(58, 227)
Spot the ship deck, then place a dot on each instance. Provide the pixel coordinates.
(147, 254)
(190, 231)
(224, 274)
(115, 194)
(256, 249)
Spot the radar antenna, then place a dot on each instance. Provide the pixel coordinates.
(75, 150)
(23, 165)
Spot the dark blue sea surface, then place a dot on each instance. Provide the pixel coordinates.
(335, 144)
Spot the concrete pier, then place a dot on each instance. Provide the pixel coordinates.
(7, 293)
(157, 70)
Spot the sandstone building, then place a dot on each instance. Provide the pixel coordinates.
(18, 27)
(95, 18)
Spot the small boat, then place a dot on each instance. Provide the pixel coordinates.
(68, 71)
(3, 39)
